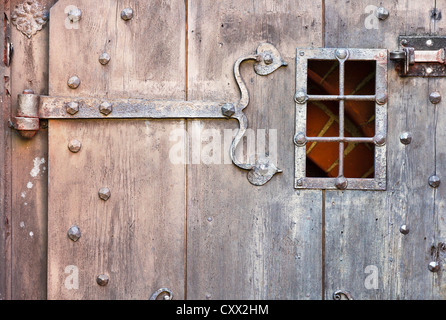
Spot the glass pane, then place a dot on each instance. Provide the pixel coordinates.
(323, 77)
(359, 160)
(360, 77)
(359, 119)
(322, 159)
(323, 119)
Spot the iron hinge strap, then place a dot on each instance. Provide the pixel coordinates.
(31, 108)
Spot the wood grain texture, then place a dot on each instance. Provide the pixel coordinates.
(362, 227)
(137, 236)
(29, 70)
(247, 242)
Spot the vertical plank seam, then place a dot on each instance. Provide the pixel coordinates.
(186, 154)
(323, 190)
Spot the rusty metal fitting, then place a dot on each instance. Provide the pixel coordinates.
(27, 117)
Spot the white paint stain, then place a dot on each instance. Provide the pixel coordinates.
(29, 185)
(31, 234)
(36, 169)
(23, 194)
(22, 224)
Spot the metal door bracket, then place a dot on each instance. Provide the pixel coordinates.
(267, 59)
(420, 56)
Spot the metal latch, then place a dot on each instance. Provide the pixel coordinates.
(420, 56)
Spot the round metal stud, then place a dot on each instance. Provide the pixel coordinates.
(74, 233)
(406, 138)
(341, 54)
(300, 139)
(300, 97)
(72, 107)
(382, 13)
(341, 183)
(102, 280)
(74, 146)
(105, 108)
(434, 181)
(127, 14)
(435, 97)
(404, 229)
(434, 266)
(104, 58)
(74, 82)
(429, 43)
(104, 193)
(228, 110)
(268, 58)
(379, 140)
(381, 98)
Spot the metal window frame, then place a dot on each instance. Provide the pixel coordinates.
(380, 98)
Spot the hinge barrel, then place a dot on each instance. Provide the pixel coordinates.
(27, 117)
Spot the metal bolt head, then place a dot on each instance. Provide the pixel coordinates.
(435, 97)
(75, 15)
(379, 139)
(406, 138)
(300, 97)
(74, 82)
(429, 42)
(104, 193)
(404, 42)
(74, 146)
(434, 266)
(268, 58)
(404, 229)
(105, 108)
(300, 139)
(382, 13)
(104, 58)
(228, 110)
(28, 91)
(434, 181)
(381, 98)
(102, 280)
(72, 107)
(341, 54)
(341, 183)
(74, 233)
(127, 14)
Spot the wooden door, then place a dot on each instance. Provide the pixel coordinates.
(194, 226)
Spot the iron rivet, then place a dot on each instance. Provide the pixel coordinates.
(341, 54)
(102, 280)
(28, 91)
(434, 266)
(72, 107)
(74, 82)
(74, 146)
(228, 110)
(127, 14)
(300, 97)
(104, 193)
(406, 138)
(382, 13)
(381, 98)
(429, 43)
(404, 42)
(379, 140)
(302, 53)
(341, 183)
(429, 70)
(209, 219)
(300, 139)
(435, 97)
(74, 233)
(434, 181)
(75, 15)
(104, 58)
(300, 182)
(404, 229)
(268, 58)
(105, 108)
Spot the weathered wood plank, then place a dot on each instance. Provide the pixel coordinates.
(29, 70)
(136, 237)
(362, 227)
(246, 242)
